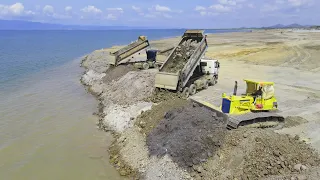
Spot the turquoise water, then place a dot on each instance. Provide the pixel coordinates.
(47, 130)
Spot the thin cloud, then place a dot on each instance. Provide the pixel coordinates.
(16, 9)
(118, 9)
(111, 17)
(220, 8)
(48, 9)
(68, 8)
(137, 9)
(162, 8)
(200, 8)
(91, 9)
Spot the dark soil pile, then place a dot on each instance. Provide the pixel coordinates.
(148, 120)
(115, 73)
(190, 135)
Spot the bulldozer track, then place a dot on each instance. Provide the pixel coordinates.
(236, 121)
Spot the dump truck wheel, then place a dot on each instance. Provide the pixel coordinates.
(145, 66)
(192, 89)
(185, 92)
(206, 84)
(212, 82)
(155, 66)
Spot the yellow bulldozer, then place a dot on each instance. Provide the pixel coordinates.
(258, 106)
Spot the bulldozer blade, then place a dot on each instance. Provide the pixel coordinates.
(213, 108)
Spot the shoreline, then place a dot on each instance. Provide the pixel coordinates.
(118, 115)
(92, 81)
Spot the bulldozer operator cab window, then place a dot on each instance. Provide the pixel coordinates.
(258, 92)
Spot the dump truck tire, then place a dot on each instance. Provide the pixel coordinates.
(145, 66)
(185, 92)
(156, 66)
(212, 81)
(192, 89)
(206, 85)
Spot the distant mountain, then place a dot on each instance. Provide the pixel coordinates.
(295, 26)
(27, 25)
(277, 26)
(281, 26)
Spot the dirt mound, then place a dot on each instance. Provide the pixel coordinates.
(97, 61)
(134, 86)
(115, 73)
(190, 135)
(163, 95)
(181, 55)
(279, 154)
(151, 118)
(258, 153)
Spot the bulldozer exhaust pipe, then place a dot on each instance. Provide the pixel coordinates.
(235, 88)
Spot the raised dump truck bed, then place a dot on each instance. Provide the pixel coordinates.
(176, 71)
(130, 52)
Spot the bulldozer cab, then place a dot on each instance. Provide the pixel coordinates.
(266, 87)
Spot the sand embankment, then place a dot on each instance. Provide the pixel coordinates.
(290, 59)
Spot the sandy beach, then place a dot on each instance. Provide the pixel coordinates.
(287, 57)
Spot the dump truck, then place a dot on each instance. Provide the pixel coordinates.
(140, 54)
(151, 59)
(185, 69)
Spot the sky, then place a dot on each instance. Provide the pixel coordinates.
(165, 13)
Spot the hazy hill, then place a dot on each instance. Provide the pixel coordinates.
(281, 26)
(27, 25)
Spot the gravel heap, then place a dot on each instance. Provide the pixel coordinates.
(181, 55)
(133, 87)
(114, 73)
(275, 154)
(260, 153)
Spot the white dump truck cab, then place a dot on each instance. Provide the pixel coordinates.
(210, 66)
(205, 75)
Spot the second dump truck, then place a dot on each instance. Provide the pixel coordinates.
(186, 70)
(138, 53)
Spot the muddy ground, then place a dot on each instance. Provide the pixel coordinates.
(128, 105)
